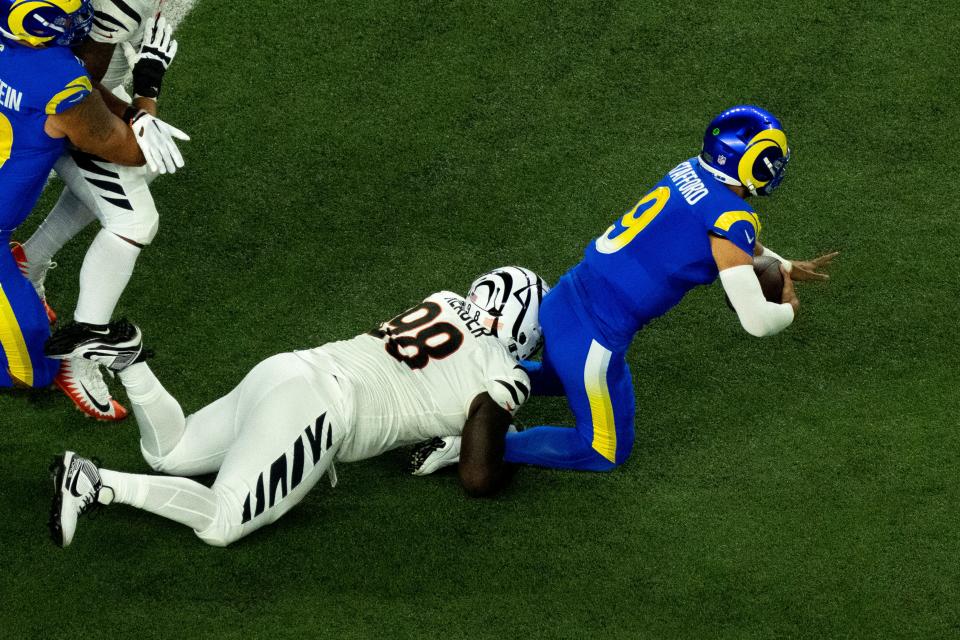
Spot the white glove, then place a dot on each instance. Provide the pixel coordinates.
(152, 61)
(156, 140)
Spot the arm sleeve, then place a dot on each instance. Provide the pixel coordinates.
(758, 316)
(739, 227)
(771, 254)
(505, 380)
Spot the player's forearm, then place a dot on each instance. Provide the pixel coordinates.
(485, 480)
(146, 104)
(116, 106)
(758, 316)
(482, 469)
(92, 127)
(118, 146)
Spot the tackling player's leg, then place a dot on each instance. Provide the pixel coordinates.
(120, 198)
(271, 438)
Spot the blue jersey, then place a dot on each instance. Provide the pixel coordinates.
(34, 83)
(645, 263)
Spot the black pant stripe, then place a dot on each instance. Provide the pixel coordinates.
(123, 204)
(260, 500)
(106, 185)
(278, 478)
(88, 162)
(296, 475)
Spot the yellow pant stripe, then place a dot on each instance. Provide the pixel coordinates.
(14, 346)
(601, 410)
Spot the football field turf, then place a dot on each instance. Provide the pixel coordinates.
(350, 158)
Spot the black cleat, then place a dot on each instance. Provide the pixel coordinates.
(116, 345)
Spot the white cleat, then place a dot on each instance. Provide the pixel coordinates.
(435, 454)
(76, 487)
(82, 381)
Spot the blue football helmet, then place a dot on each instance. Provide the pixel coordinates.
(41, 23)
(746, 146)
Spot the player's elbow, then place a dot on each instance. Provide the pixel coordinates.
(755, 327)
(478, 481)
(767, 322)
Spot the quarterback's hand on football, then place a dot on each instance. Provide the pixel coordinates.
(810, 269)
(153, 59)
(156, 140)
(789, 296)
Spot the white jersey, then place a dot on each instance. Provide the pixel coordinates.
(416, 376)
(116, 22)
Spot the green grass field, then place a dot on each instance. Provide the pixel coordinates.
(350, 158)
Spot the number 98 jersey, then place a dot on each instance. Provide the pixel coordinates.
(415, 376)
(646, 261)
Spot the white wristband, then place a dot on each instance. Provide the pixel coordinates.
(771, 254)
(758, 316)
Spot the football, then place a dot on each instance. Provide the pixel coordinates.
(771, 280)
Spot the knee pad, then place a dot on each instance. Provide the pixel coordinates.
(225, 529)
(157, 463)
(218, 535)
(140, 226)
(170, 464)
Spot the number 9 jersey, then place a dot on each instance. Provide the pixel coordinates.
(646, 261)
(415, 377)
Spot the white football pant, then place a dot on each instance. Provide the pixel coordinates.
(269, 440)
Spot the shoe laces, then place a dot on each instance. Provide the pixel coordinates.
(90, 374)
(90, 505)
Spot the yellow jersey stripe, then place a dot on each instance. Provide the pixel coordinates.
(75, 87)
(14, 346)
(598, 394)
(6, 139)
(730, 218)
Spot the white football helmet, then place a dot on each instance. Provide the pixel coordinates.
(510, 297)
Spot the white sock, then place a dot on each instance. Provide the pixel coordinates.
(159, 415)
(179, 499)
(104, 275)
(64, 221)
